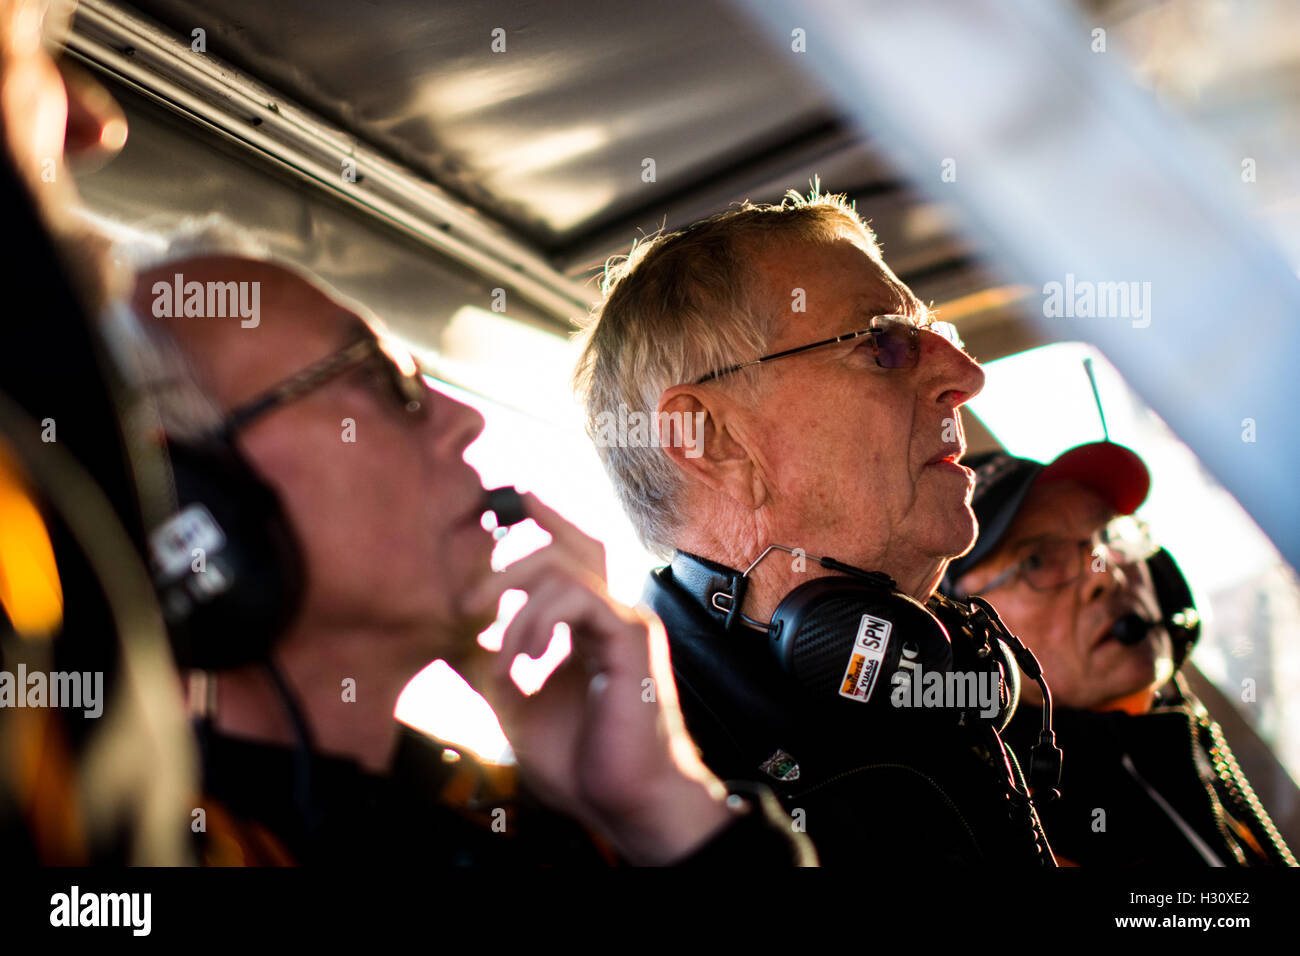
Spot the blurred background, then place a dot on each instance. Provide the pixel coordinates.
(441, 170)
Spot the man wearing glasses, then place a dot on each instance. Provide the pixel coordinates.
(830, 402)
(1148, 778)
(368, 462)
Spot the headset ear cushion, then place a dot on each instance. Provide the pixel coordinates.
(228, 566)
(1174, 596)
(842, 638)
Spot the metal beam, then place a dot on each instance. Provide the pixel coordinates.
(759, 174)
(217, 97)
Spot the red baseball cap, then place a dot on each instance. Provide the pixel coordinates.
(1002, 482)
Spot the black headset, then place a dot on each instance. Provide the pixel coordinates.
(1178, 615)
(227, 564)
(854, 640)
(230, 574)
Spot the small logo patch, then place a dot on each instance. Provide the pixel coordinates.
(781, 766)
(868, 654)
(172, 543)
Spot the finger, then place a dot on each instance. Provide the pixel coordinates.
(525, 574)
(550, 599)
(587, 549)
(478, 667)
(527, 632)
(602, 637)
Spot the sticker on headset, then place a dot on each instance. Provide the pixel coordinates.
(172, 543)
(868, 655)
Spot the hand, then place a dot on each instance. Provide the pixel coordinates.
(33, 110)
(603, 739)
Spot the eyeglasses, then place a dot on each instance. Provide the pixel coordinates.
(1051, 562)
(895, 340)
(401, 374)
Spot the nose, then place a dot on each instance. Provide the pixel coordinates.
(951, 377)
(1112, 578)
(454, 424)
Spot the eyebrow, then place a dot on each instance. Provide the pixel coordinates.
(870, 306)
(1017, 545)
(878, 306)
(1013, 546)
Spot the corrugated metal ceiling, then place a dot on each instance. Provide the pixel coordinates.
(550, 136)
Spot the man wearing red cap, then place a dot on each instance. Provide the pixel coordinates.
(1110, 618)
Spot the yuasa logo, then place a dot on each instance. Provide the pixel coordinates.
(866, 659)
(102, 909)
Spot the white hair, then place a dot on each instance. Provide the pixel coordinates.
(215, 235)
(194, 237)
(150, 358)
(678, 307)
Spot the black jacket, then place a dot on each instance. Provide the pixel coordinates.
(434, 806)
(1154, 789)
(910, 790)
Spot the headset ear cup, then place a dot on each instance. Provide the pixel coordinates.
(228, 566)
(845, 639)
(971, 632)
(1177, 606)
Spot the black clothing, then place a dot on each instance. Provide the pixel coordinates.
(910, 787)
(437, 808)
(62, 400)
(54, 364)
(1154, 789)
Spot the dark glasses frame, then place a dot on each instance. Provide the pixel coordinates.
(409, 389)
(881, 325)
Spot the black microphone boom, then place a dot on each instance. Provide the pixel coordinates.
(1132, 629)
(506, 504)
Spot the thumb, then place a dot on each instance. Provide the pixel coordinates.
(479, 668)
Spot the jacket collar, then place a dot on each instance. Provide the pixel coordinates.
(719, 591)
(741, 709)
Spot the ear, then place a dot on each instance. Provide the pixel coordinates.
(694, 432)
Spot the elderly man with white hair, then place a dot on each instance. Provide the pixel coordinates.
(807, 526)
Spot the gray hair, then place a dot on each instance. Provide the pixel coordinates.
(157, 363)
(194, 237)
(212, 236)
(149, 356)
(677, 307)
